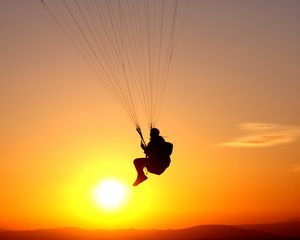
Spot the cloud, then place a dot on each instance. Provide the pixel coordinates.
(264, 135)
(296, 169)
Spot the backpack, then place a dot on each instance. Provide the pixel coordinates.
(167, 149)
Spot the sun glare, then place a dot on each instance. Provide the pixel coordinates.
(110, 194)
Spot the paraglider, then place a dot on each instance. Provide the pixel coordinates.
(128, 45)
(157, 158)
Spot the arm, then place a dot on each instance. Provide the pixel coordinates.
(143, 146)
(146, 148)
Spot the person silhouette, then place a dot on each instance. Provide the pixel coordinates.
(157, 157)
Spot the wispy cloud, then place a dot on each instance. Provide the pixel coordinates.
(295, 169)
(264, 135)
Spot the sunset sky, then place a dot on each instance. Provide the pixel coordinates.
(232, 111)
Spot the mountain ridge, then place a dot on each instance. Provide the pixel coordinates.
(280, 230)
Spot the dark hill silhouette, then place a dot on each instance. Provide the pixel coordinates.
(289, 228)
(294, 220)
(217, 232)
(276, 231)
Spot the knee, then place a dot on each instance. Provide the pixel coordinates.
(137, 161)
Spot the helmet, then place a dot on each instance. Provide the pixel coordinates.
(154, 132)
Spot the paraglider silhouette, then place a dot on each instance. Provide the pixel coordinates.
(128, 45)
(157, 158)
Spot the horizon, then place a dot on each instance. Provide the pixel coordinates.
(290, 220)
(68, 120)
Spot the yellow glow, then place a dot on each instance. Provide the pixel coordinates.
(110, 194)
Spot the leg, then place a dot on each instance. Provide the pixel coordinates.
(139, 164)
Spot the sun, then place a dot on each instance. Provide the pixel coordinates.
(110, 194)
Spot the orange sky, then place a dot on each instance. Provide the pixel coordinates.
(232, 111)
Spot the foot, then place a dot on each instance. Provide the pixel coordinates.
(139, 180)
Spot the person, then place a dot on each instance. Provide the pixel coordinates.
(157, 157)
